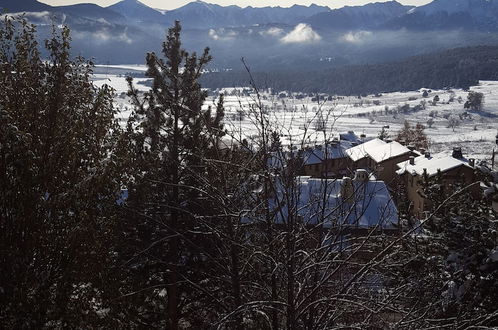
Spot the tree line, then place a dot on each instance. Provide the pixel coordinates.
(173, 222)
(455, 68)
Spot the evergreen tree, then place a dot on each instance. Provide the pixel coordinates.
(170, 137)
(58, 184)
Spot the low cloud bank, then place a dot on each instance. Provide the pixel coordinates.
(357, 37)
(302, 33)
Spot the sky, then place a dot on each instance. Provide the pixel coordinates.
(172, 4)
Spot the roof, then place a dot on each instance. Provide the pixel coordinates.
(350, 136)
(333, 150)
(370, 206)
(361, 151)
(432, 165)
(387, 151)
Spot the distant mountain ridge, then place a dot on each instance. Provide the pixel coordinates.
(438, 15)
(12, 6)
(306, 37)
(371, 15)
(200, 14)
(450, 14)
(138, 12)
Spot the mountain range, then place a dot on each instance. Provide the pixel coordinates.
(271, 37)
(439, 14)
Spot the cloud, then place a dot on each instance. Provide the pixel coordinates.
(222, 34)
(356, 37)
(302, 33)
(274, 32)
(103, 36)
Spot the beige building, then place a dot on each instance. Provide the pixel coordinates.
(453, 169)
(380, 158)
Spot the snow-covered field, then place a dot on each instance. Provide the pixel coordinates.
(298, 119)
(133, 67)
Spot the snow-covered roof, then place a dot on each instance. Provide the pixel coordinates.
(387, 151)
(362, 150)
(370, 205)
(432, 165)
(334, 150)
(350, 136)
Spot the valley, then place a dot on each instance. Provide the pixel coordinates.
(295, 117)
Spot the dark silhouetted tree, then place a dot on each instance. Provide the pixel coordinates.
(170, 135)
(58, 184)
(474, 100)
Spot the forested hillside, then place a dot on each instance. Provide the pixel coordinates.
(457, 68)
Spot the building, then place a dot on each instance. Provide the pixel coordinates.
(326, 161)
(380, 158)
(359, 155)
(330, 160)
(354, 205)
(451, 169)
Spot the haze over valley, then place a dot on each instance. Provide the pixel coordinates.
(299, 38)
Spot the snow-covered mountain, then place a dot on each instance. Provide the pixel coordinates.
(73, 13)
(13, 6)
(295, 37)
(91, 12)
(474, 7)
(451, 14)
(202, 15)
(390, 15)
(138, 12)
(355, 17)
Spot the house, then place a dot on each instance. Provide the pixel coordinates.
(452, 169)
(384, 159)
(330, 160)
(379, 157)
(326, 161)
(354, 205)
(359, 155)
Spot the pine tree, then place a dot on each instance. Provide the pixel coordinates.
(170, 137)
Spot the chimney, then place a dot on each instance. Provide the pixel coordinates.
(472, 162)
(457, 153)
(412, 160)
(361, 176)
(347, 188)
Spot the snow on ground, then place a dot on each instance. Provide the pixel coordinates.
(134, 67)
(302, 120)
(119, 83)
